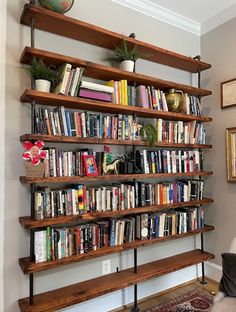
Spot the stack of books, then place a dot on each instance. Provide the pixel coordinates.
(96, 91)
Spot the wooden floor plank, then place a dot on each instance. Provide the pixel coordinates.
(77, 293)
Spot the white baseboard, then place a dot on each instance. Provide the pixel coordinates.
(213, 271)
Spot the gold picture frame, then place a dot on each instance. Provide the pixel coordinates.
(228, 93)
(231, 154)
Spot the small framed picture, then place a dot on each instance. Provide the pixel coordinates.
(228, 93)
(90, 165)
(231, 154)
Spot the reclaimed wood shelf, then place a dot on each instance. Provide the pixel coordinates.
(78, 140)
(106, 73)
(108, 178)
(31, 267)
(29, 223)
(69, 27)
(51, 99)
(70, 295)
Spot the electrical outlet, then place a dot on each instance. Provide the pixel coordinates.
(106, 267)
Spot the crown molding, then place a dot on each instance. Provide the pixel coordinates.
(155, 11)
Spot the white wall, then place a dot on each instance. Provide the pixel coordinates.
(114, 17)
(2, 141)
(218, 47)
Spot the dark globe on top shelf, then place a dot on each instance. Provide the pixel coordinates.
(60, 6)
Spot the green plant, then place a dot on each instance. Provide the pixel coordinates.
(149, 133)
(122, 53)
(39, 70)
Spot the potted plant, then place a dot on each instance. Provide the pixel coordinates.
(124, 56)
(149, 134)
(44, 75)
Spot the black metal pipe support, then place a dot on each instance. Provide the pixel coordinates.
(135, 307)
(31, 288)
(203, 281)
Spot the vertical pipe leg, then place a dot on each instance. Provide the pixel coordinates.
(31, 288)
(203, 281)
(135, 307)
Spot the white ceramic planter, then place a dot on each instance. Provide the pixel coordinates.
(127, 65)
(42, 85)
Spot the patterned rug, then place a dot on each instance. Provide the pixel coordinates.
(193, 301)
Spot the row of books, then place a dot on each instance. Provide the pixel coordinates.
(166, 161)
(61, 163)
(57, 243)
(149, 97)
(119, 92)
(67, 123)
(180, 132)
(69, 80)
(81, 199)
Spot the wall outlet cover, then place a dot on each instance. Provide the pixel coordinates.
(106, 267)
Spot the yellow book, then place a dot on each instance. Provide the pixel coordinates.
(111, 83)
(126, 92)
(122, 92)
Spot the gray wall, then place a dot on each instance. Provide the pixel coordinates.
(218, 47)
(109, 15)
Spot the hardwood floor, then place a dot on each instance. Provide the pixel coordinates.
(149, 302)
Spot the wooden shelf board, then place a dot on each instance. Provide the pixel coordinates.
(106, 73)
(51, 99)
(78, 140)
(29, 223)
(31, 267)
(68, 27)
(70, 295)
(117, 177)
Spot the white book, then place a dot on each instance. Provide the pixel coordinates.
(61, 88)
(159, 130)
(74, 81)
(96, 87)
(162, 224)
(40, 246)
(145, 162)
(108, 199)
(103, 194)
(74, 210)
(168, 162)
(173, 160)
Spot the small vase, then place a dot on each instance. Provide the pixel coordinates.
(34, 171)
(42, 85)
(127, 65)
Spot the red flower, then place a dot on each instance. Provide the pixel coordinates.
(34, 152)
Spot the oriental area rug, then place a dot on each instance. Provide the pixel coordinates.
(193, 301)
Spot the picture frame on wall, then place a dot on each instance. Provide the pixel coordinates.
(228, 93)
(231, 154)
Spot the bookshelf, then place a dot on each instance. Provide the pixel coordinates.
(77, 293)
(68, 27)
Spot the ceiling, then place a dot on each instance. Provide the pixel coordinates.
(199, 16)
(199, 11)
